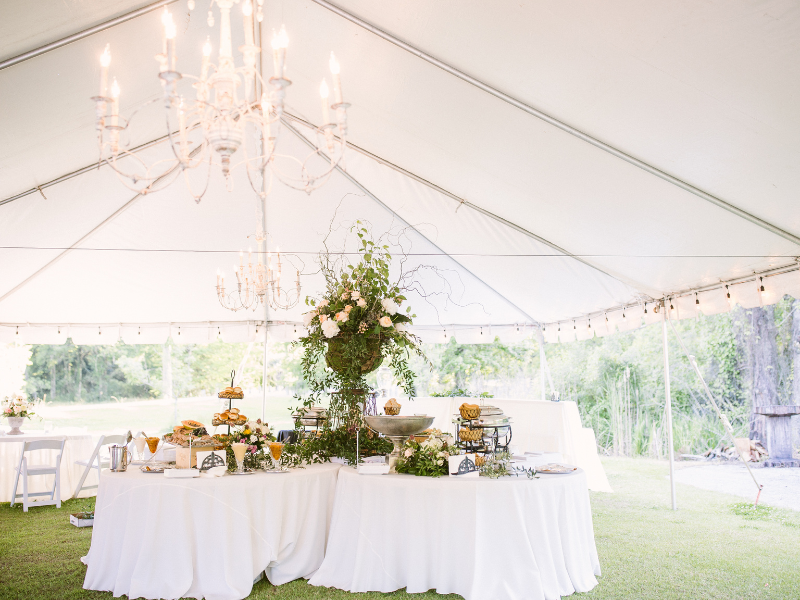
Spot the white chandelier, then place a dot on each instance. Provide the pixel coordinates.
(227, 117)
(256, 284)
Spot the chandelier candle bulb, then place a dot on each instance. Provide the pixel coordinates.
(169, 36)
(247, 11)
(115, 103)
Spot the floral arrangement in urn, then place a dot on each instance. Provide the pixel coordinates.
(357, 323)
(429, 458)
(16, 409)
(18, 406)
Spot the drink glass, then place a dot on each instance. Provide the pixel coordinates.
(239, 451)
(276, 449)
(140, 444)
(152, 445)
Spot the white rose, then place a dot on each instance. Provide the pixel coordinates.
(323, 303)
(253, 439)
(409, 452)
(308, 317)
(385, 321)
(323, 318)
(330, 328)
(342, 317)
(361, 302)
(390, 306)
(355, 295)
(440, 462)
(401, 327)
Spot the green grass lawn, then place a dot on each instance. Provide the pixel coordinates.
(714, 546)
(158, 416)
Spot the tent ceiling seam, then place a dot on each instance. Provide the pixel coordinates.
(378, 201)
(463, 202)
(15, 60)
(739, 212)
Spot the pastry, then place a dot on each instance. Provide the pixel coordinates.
(392, 407)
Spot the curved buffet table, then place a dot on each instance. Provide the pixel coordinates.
(509, 538)
(207, 538)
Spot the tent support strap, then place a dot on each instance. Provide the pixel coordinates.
(668, 396)
(559, 124)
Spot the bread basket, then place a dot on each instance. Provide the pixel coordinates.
(469, 411)
(470, 435)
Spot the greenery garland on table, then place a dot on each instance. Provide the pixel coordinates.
(355, 326)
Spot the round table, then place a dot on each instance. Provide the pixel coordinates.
(207, 538)
(509, 538)
(78, 447)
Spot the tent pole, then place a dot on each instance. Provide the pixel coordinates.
(668, 407)
(542, 365)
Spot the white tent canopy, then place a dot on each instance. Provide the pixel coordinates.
(680, 171)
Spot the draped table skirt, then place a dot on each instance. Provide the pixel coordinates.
(509, 538)
(207, 538)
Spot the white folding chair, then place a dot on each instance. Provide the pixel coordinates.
(96, 461)
(24, 471)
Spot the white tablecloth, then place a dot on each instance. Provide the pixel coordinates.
(484, 539)
(537, 426)
(77, 447)
(171, 538)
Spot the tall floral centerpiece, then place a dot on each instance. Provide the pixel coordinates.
(359, 322)
(16, 409)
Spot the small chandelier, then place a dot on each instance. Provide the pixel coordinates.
(255, 283)
(231, 117)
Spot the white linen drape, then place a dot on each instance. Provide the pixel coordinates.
(207, 538)
(506, 539)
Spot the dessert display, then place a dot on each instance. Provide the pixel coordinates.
(469, 411)
(192, 433)
(392, 407)
(232, 416)
(232, 393)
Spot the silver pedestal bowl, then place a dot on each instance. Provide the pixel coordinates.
(397, 429)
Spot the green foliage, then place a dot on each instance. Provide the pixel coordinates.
(496, 465)
(70, 373)
(355, 326)
(427, 459)
(460, 393)
(336, 442)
